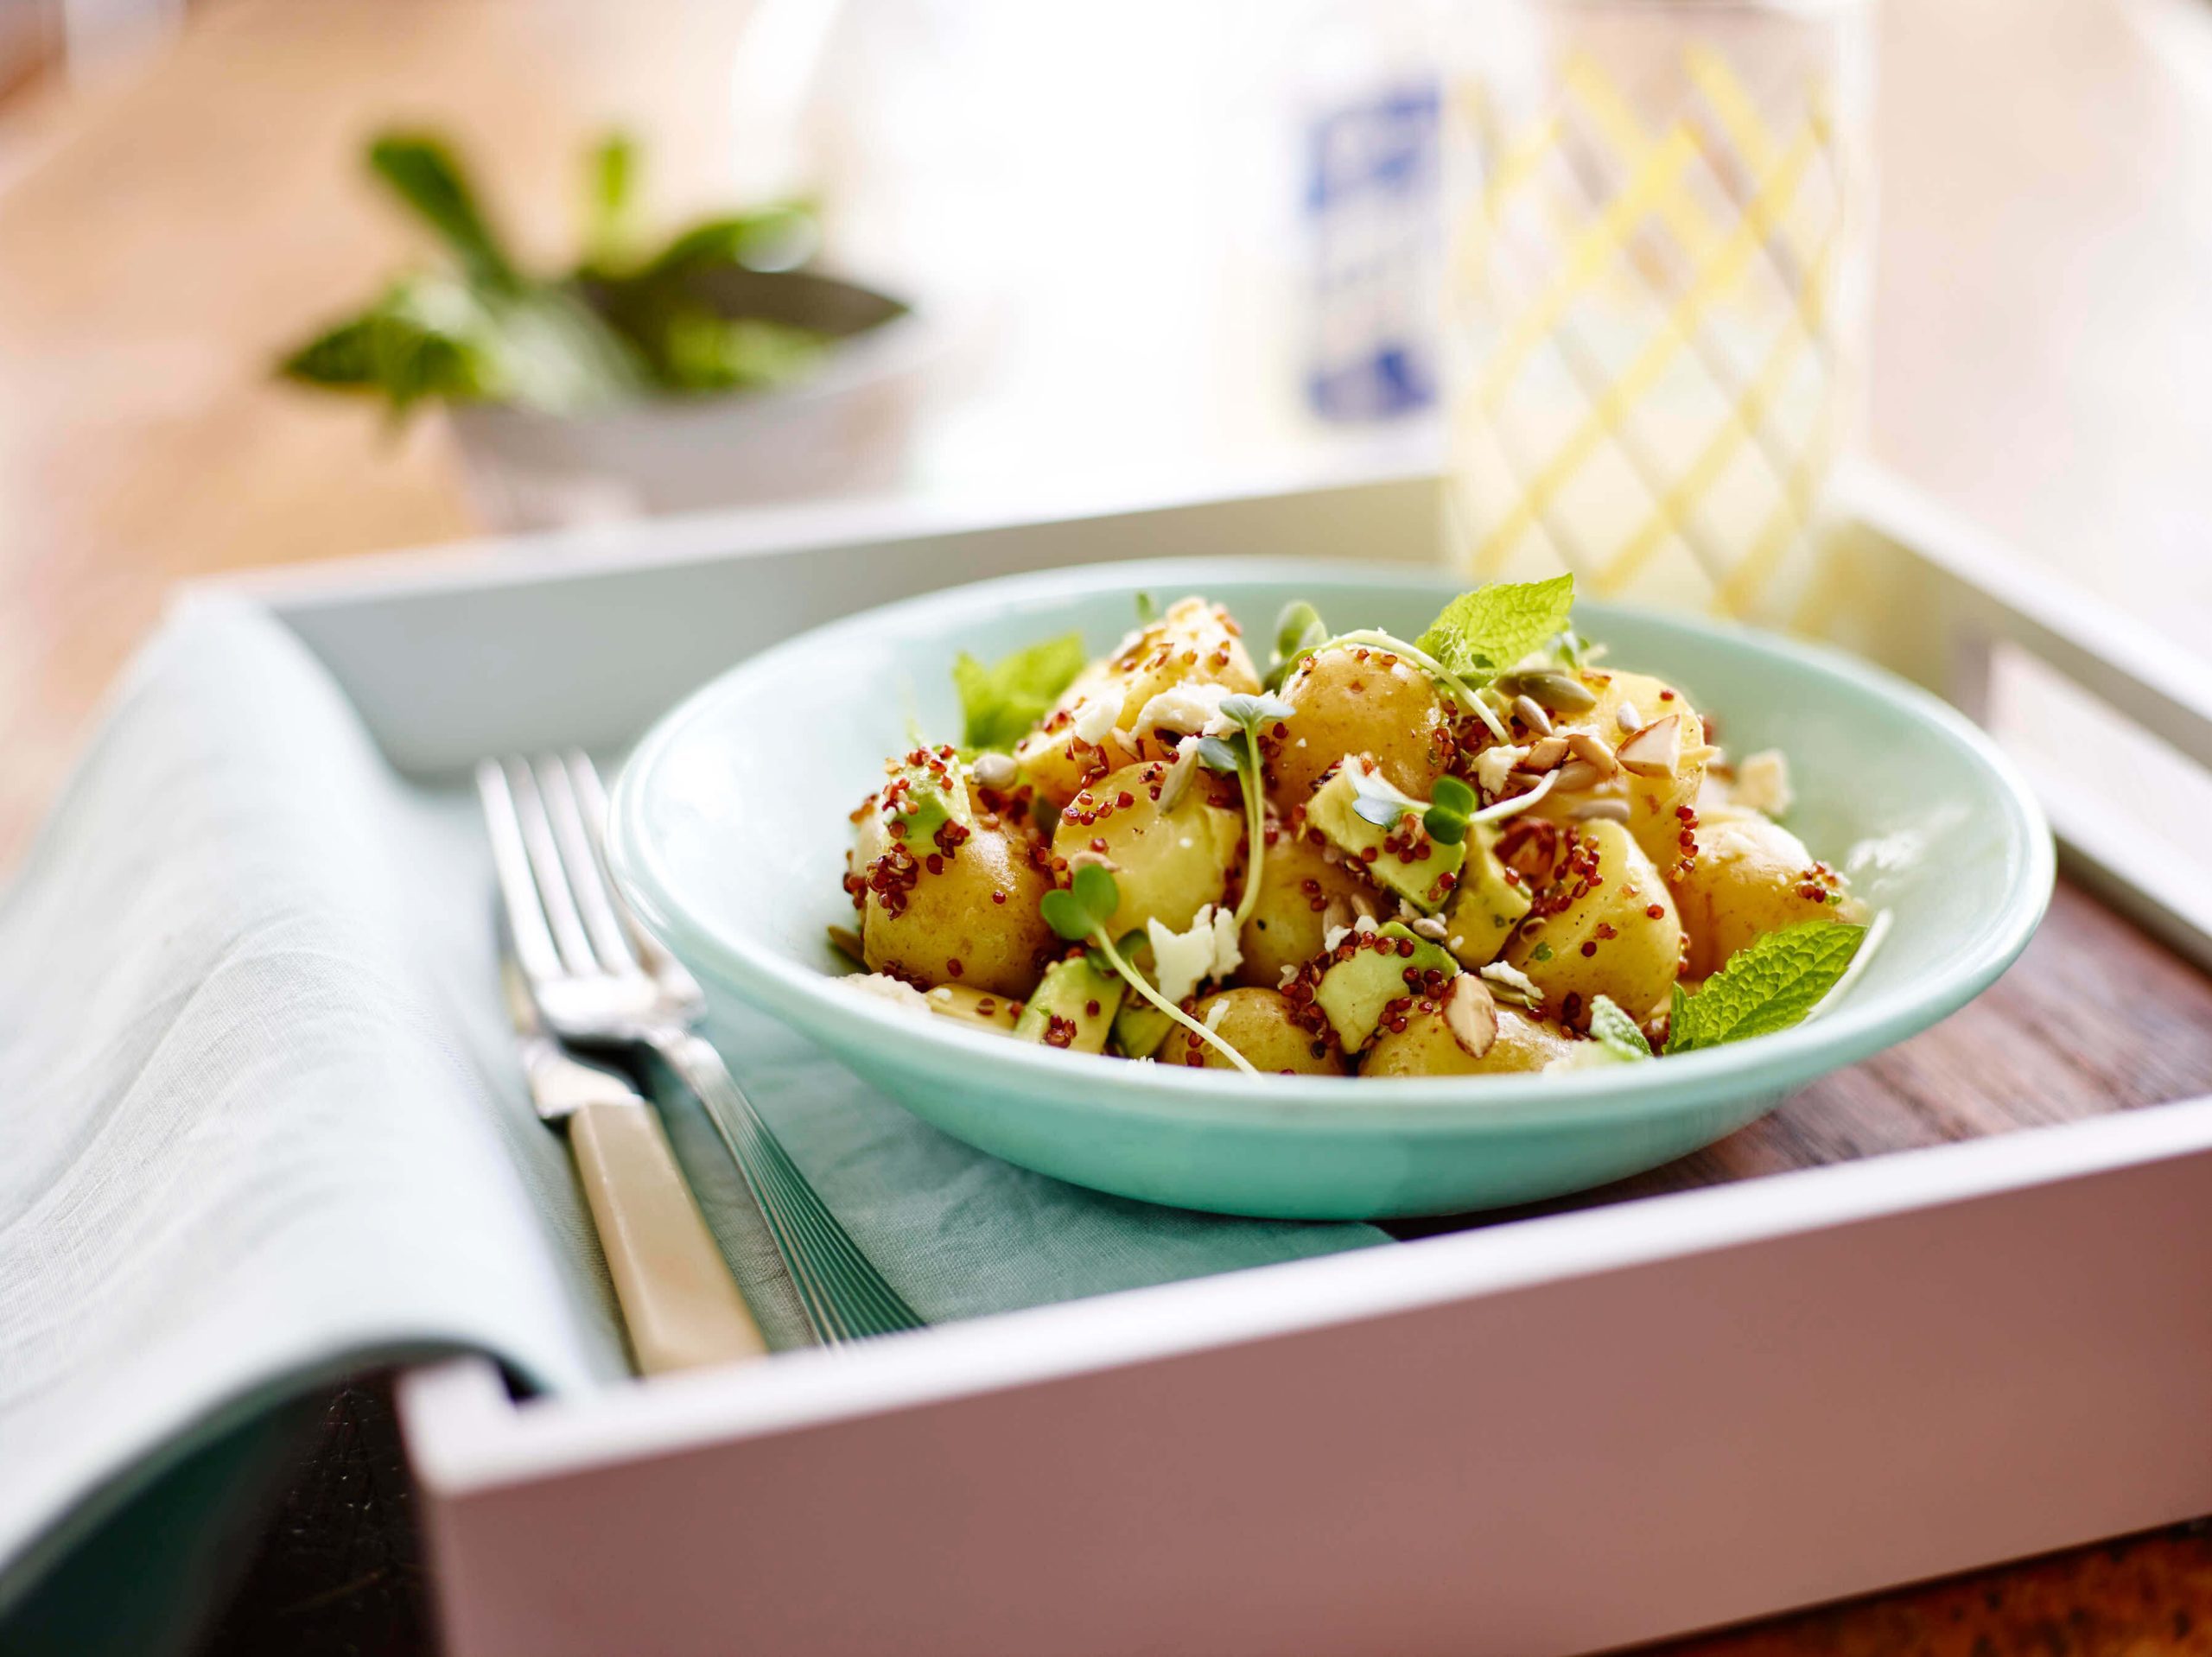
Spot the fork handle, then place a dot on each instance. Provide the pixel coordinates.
(678, 1298)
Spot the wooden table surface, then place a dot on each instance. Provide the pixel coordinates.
(2043, 362)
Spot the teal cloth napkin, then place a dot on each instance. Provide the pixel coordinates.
(260, 1124)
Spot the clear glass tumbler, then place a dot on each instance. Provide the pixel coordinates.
(1655, 338)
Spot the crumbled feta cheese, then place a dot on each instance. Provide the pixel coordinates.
(1514, 978)
(1363, 922)
(1289, 976)
(1333, 937)
(1763, 783)
(1494, 765)
(1215, 1013)
(1180, 961)
(1190, 708)
(896, 991)
(1094, 719)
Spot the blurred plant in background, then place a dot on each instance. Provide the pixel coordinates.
(629, 321)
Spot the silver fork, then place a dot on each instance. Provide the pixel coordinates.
(600, 980)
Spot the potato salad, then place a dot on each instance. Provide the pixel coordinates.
(1486, 849)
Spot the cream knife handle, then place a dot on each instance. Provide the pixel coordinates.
(677, 1296)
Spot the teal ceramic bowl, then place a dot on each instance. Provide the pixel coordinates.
(729, 830)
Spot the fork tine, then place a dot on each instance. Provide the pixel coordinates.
(591, 799)
(568, 927)
(594, 900)
(533, 944)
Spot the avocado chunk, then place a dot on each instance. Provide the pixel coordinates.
(1386, 967)
(968, 1005)
(1138, 1028)
(925, 791)
(1400, 856)
(1072, 1007)
(1485, 906)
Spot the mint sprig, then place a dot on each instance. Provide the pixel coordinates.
(1615, 1031)
(1079, 912)
(999, 703)
(1480, 634)
(1767, 986)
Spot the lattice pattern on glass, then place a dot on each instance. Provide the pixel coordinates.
(1659, 217)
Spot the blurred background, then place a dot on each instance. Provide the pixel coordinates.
(1145, 248)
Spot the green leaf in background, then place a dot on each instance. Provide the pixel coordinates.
(999, 703)
(614, 329)
(1768, 984)
(610, 198)
(426, 175)
(778, 237)
(1481, 634)
(699, 350)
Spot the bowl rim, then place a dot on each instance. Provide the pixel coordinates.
(942, 1051)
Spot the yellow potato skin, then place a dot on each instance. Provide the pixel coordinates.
(1748, 880)
(1346, 705)
(1637, 965)
(1167, 865)
(1285, 928)
(949, 915)
(1258, 1024)
(1192, 644)
(1651, 800)
(1428, 1047)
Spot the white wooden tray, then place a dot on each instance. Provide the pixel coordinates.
(1546, 1436)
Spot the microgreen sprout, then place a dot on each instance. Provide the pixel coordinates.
(1079, 911)
(1450, 811)
(1248, 713)
(1147, 611)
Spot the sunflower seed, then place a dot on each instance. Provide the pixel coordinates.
(995, 770)
(1577, 774)
(1532, 714)
(1594, 810)
(1627, 718)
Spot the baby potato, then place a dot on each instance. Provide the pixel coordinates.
(1349, 703)
(1097, 725)
(975, 921)
(1259, 1023)
(1168, 865)
(1195, 642)
(1750, 876)
(1428, 1047)
(1608, 942)
(1290, 915)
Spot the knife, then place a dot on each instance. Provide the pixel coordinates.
(680, 1303)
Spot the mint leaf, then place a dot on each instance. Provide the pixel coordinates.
(999, 703)
(1480, 634)
(1616, 1031)
(1768, 984)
